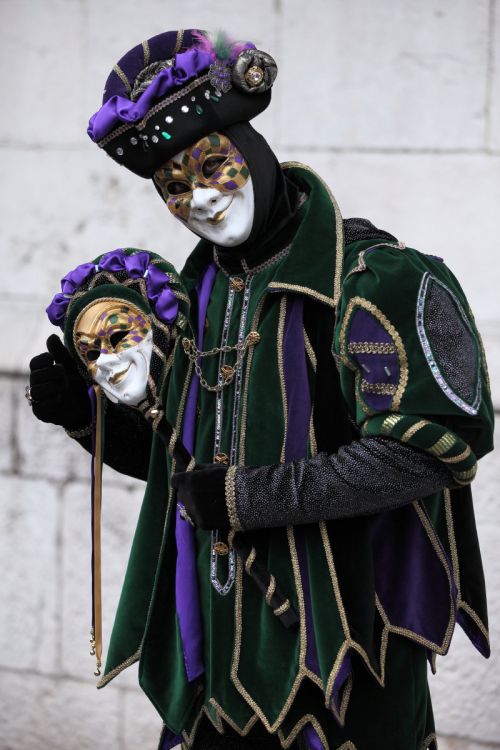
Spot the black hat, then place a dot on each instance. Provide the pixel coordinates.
(175, 88)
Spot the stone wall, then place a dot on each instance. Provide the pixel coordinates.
(397, 105)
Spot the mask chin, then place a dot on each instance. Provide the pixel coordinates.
(235, 225)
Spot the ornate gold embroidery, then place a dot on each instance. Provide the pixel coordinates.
(413, 429)
(370, 347)
(465, 476)
(393, 333)
(279, 344)
(313, 447)
(231, 499)
(382, 389)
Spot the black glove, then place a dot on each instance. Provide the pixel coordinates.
(202, 492)
(58, 390)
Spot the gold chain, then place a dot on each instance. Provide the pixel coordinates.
(193, 354)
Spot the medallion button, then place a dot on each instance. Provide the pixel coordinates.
(221, 548)
(221, 458)
(253, 338)
(237, 284)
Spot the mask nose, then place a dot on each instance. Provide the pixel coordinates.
(205, 202)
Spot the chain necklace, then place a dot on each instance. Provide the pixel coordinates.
(228, 372)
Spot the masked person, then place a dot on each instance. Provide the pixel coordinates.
(336, 400)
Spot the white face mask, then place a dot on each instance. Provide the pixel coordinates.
(115, 341)
(123, 376)
(209, 188)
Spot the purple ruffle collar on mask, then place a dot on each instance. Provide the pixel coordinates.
(138, 265)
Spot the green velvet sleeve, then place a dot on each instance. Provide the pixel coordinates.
(411, 360)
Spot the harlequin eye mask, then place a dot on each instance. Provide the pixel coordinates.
(114, 339)
(209, 188)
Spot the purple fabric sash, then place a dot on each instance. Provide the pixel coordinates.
(186, 581)
(297, 433)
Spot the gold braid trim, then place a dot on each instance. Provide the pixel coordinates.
(178, 41)
(304, 289)
(413, 430)
(281, 370)
(250, 560)
(390, 423)
(369, 347)
(123, 78)
(365, 304)
(456, 459)
(299, 726)
(230, 491)
(382, 389)
(116, 671)
(339, 236)
(443, 445)
(310, 351)
(222, 714)
(146, 52)
(282, 608)
(270, 590)
(429, 740)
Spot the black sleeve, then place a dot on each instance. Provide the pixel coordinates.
(128, 439)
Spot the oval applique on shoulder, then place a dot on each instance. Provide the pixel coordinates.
(372, 347)
(449, 344)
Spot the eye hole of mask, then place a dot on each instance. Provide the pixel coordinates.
(93, 355)
(116, 337)
(177, 188)
(212, 164)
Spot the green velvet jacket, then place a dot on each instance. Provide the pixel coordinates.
(376, 365)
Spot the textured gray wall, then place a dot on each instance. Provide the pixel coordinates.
(397, 105)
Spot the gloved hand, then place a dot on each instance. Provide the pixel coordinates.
(58, 390)
(202, 492)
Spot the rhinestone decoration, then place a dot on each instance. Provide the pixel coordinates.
(220, 76)
(184, 108)
(426, 347)
(169, 119)
(133, 141)
(198, 109)
(154, 139)
(157, 127)
(166, 135)
(119, 151)
(254, 76)
(193, 98)
(207, 94)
